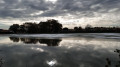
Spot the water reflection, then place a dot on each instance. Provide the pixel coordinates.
(52, 62)
(29, 40)
(14, 39)
(72, 52)
(49, 42)
(110, 62)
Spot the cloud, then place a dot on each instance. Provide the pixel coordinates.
(23, 8)
(82, 8)
(70, 9)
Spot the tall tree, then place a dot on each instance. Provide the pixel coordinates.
(50, 26)
(14, 28)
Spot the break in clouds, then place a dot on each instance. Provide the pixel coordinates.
(68, 12)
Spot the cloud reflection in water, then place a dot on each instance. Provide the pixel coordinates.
(82, 52)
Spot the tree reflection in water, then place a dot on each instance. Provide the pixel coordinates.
(49, 42)
(29, 40)
(14, 39)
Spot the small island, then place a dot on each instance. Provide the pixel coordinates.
(53, 26)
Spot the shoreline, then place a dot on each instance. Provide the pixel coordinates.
(60, 33)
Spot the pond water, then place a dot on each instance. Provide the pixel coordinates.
(60, 50)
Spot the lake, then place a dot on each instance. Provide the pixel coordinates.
(60, 50)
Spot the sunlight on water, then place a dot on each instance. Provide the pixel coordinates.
(52, 62)
(38, 49)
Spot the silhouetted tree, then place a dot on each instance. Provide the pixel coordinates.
(88, 26)
(65, 30)
(30, 27)
(55, 26)
(50, 26)
(22, 29)
(76, 29)
(14, 28)
(44, 27)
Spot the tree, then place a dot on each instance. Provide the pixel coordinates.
(50, 26)
(44, 27)
(88, 26)
(22, 29)
(31, 27)
(65, 30)
(14, 28)
(76, 29)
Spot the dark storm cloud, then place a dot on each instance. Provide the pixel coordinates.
(23, 8)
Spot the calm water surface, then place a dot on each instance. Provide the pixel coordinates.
(59, 50)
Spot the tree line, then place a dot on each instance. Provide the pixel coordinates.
(50, 26)
(53, 26)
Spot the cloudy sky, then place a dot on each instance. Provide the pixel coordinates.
(68, 12)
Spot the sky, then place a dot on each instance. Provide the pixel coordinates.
(68, 12)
